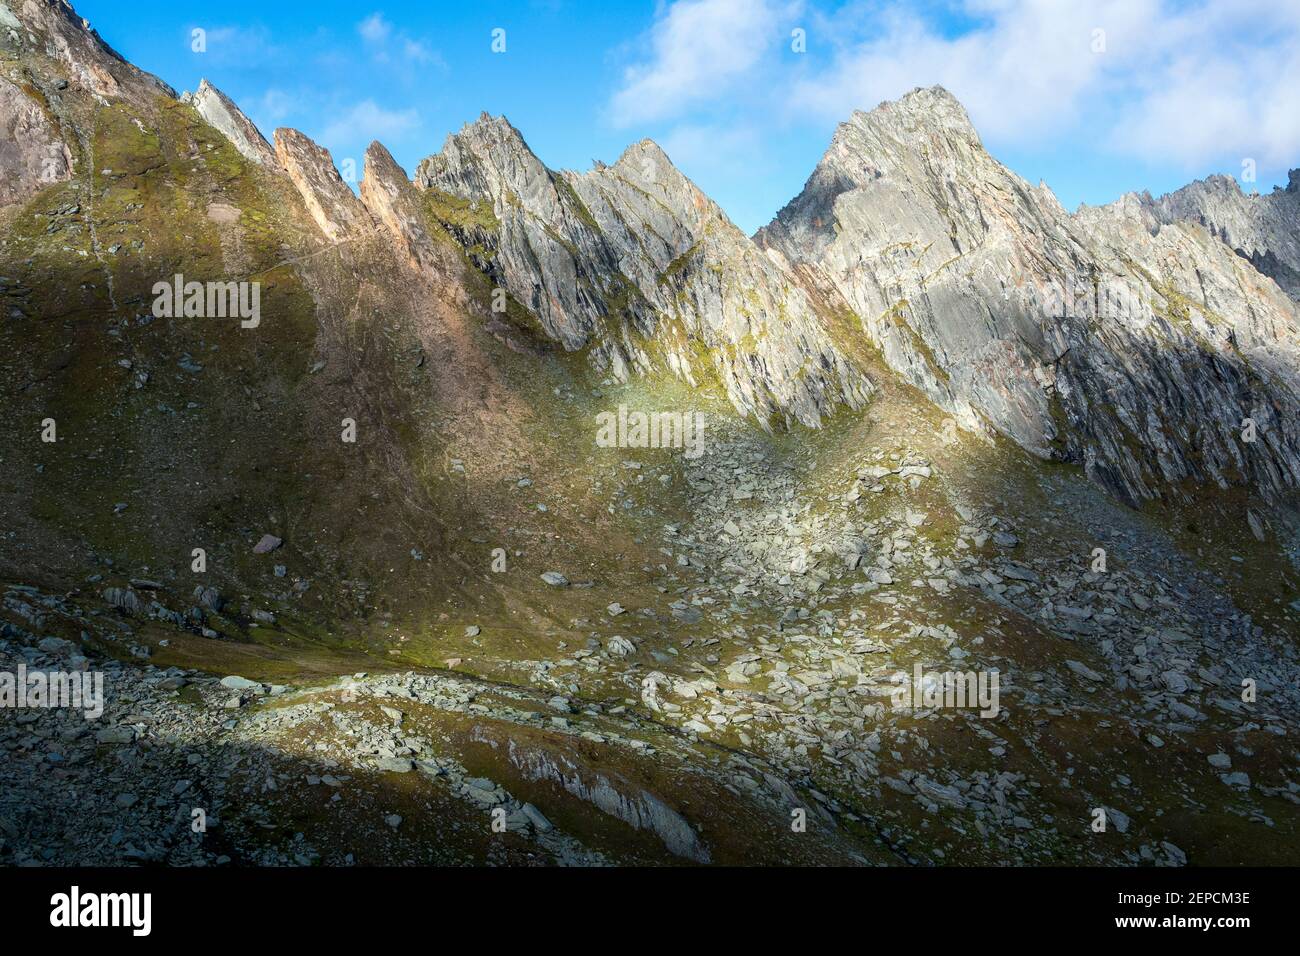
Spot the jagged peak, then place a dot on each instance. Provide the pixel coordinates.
(885, 141)
(490, 128)
(1217, 181)
(643, 147)
(294, 141)
(486, 120)
(1132, 202)
(1135, 205)
(380, 164)
(489, 139)
(648, 167)
(648, 159)
(332, 204)
(91, 62)
(641, 151)
(221, 112)
(379, 150)
(924, 109)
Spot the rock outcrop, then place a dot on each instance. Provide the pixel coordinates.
(395, 203)
(223, 115)
(1262, 228)
(52, 28)
(1106, 339)
(635, 263)
(32, 155)
(334, 207)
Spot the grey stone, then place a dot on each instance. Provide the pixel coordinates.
(266, 544)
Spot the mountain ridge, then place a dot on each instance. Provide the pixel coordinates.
(952, 262)
(768, 339)
(607, 257)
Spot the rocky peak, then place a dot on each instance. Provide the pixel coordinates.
(1263, 229)
(394, 202)
(32, 155)
(494, 136)
(1217, 183)
(1132, 206)
(634, 261)
(981, 290)
(52, 28)
(334, 207)
(646, 167)
(923, 142)
(927, 122)
(917, 116)
(222, 114)
(646, 162)
(489, 158)
(382, 172)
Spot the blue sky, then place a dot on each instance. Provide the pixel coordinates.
(1097, 98)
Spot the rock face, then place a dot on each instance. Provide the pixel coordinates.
(395, 203)
(634, 262)
(614, 796)
(53, 28)
(227, 118)
(1132, 347)
(66, 56)
(333, 206)
(1263, 229)
(32, 155)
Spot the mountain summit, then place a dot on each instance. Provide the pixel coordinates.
(634, 263)
(1133, 348)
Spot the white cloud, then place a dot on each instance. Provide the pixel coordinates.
(1226, 88)
(368, 120)
(396, 47)
(275, 105)
(1183, 83)
(418, 52)
(374, 28)
(712, 148)
(237, 45)
(699, 49)
(1021, 72)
